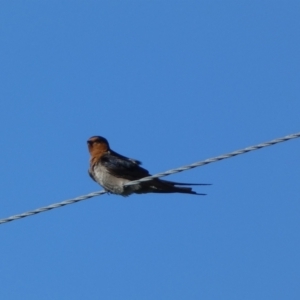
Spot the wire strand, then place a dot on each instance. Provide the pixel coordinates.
(52, 206)
(217, 158)
(173, 171)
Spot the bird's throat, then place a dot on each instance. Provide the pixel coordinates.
(97, 151)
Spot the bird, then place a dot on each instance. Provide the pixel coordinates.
(112, 171)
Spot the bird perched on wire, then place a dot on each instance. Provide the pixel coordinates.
(112, 170)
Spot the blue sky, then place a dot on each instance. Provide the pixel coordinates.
(168, 83)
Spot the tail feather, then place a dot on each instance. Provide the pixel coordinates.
(164, 186)
(191, 192)
(183, 183)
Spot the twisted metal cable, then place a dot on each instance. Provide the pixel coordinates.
(217, 158)
(52, 206)
(173, 171)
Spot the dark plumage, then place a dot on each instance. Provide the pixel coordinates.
(113, 170)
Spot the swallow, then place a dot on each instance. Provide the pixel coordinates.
(113, 170)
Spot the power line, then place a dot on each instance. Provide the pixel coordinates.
(173, 171)
(217, 158)
(52, 206)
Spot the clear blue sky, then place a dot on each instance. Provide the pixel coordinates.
(168, 83)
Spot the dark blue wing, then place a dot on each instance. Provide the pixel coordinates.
(123, 167)
(124, 157)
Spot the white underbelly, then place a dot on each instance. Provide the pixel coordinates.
(108, 181)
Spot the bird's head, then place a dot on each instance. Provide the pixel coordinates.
(97, 145)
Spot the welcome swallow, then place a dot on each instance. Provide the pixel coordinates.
(112, 170)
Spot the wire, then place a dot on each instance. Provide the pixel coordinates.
(173, 171)
(217, 158)
(52, 206)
